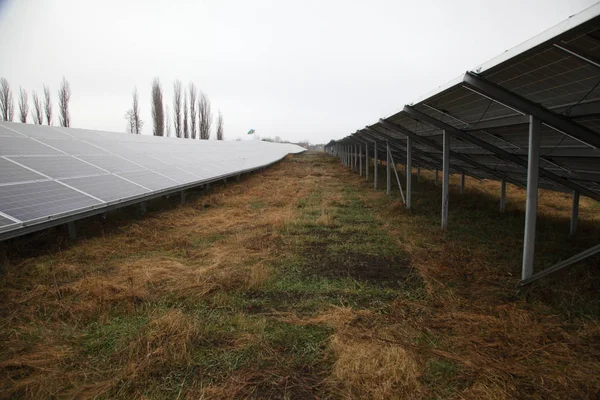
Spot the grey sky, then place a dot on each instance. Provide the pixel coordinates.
(315, 70)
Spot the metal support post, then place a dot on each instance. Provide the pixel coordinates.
(397, 177)
(72, 230)
(533, 170)
(183, 196)
(574, 212)
(366, 161)
(360, 161)
(408, 172)
(462, 182)
(143, 207)
(375, 177)
(238, 177)
(446, 176)
(502, 195)
(388, 171)
(355, 158)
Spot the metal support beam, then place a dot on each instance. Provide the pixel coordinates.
(360, 160)
(72, 230)
(375, 169)
(388, 170)
(462, 183)
(366, 161)
(237, 178)
(183, 196)
(453, 154)
(355, 158)
(445, 186)
(408, 173)
(513, 100)
(375, 135)
(502, 195)
(574, 213)
(397, 177)
(498, 152)
(532, 197)
(143, 207)
(578, 257)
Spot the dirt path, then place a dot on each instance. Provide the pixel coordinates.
(298, 282)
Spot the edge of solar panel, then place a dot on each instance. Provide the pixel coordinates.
(9, 228)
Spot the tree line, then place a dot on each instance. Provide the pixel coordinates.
(42, 107)
(192, 114)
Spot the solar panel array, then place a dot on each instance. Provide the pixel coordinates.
(49, 173)
(557, 72)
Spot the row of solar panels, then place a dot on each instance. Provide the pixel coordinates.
(555, 77)
(49, 172)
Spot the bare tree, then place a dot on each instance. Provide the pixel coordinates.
(7, 108)
(48, 104)
(64, 96)
(38, 111)
(158, 116)
(186, 133)
(167, 121)
(130, 121)
(23, 105)
(138, 124)
(177, 108)
(220, 126)
(204, 116)
(193, 95)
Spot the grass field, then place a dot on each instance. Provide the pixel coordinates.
(301, 282)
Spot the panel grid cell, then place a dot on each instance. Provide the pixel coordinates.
(30, 201)
(106, 187)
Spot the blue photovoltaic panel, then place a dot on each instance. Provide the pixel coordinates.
(106, 187)
(30, 201)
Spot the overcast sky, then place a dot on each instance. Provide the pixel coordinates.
(315, 70)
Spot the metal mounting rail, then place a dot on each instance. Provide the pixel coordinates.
(577, 257)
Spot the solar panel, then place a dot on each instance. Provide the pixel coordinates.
(13, 173)
(51, 174)
(178, 175)
(30, 201)
(5, 131)
(73, 147)
(149, 179)
(112, 163)
(106, 187)
(6, 222)
(23, 146)
(58, 167)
